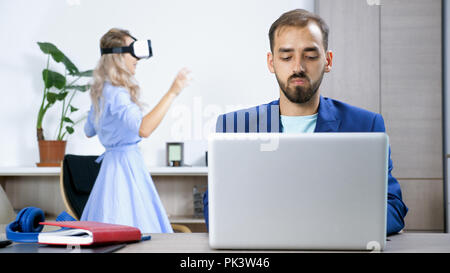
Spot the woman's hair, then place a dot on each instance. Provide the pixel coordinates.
(112, 68)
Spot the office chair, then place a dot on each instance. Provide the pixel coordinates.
(78, 175)
(181, 228)
(7, 213)
(77, 178)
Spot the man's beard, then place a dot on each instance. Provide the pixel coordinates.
(300, 94)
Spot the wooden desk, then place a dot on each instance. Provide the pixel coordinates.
(198, 242)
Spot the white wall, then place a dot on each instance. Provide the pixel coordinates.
(224, 43)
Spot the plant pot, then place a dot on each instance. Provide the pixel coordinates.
(51, 153)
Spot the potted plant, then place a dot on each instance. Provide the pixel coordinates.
(58, 88)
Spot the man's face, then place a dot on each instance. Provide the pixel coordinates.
(299, 61)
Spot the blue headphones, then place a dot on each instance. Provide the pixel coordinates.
(26, 227)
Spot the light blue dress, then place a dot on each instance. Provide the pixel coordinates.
(124, 192)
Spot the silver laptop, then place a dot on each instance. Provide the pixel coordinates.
(321, 191)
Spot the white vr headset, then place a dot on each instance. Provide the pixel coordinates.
(140, 49)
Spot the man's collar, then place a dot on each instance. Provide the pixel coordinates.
(326, 118)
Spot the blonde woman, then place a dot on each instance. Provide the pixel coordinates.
(124, 192)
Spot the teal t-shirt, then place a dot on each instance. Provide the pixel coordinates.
(298, 124)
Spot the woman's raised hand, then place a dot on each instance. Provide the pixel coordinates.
(181, 81)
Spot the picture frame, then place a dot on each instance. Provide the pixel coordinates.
(175, 154)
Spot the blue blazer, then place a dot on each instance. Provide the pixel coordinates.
(333, 116)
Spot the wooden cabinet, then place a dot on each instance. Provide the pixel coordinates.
(354, 40)
(39, 187)
(388, 59)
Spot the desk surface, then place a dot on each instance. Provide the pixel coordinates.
(198, 242)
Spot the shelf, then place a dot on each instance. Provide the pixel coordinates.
(54, 171)
(182, 171)
(179, 219)
(29, 171)
(188, 219)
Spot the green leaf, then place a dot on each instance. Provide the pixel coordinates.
(81, 88)
(52, 78)
(66, 119)
(73, 70)
(70, 129)
(49, 48)
(58, 56)
(87, 73)
(61, 96)
(51, 97)
(73, 109)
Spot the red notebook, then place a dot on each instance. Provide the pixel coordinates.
(88, 233)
